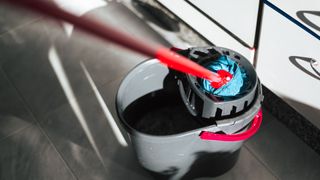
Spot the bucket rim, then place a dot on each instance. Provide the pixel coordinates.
(134, 132)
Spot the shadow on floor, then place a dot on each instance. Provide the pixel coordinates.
(205, 165)
(156, 16)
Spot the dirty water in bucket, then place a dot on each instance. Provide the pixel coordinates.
(160, 113)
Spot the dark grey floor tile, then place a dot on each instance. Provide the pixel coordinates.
(26, 59)
(119, 16)
(10, 124)
(13, 113)
(247, 167)
(25, 41)
(109, 92)
(115, 61)
(111, 63)
(29, 155)
(284, 153)
(12, 17)
(266, 118)
(292, 119)
(104, 60)
(110, 160)
(28, 67)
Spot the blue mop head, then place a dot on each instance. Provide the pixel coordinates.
(233, 87)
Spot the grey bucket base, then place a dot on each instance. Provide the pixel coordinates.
(204, 165)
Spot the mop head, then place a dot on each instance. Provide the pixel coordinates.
(233, 87)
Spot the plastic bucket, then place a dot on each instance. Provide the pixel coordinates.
(184, 149)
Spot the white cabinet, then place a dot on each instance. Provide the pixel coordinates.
(306, 12)
(239, 17)
(205, 26)
(283, 64)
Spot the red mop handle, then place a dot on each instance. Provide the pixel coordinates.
(180, 63)
(170, 58)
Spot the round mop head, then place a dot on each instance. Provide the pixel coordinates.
(233, 87)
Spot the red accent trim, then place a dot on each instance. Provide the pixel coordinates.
(205, 135)
(225, 78)
(180, 63)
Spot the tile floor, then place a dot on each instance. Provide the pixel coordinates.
(49, 107)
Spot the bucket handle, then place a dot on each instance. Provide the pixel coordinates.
(205, 135)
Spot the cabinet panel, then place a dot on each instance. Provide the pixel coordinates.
(306, 12)
(283, 64)
(205, 26)
(239, 17)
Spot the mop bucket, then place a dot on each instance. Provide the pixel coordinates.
(168, 140)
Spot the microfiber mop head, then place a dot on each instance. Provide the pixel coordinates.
(234, 86)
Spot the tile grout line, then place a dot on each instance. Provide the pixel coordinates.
(261, 162)
(16, 132)
(119, 77)
(114, 80)
(266, 122)
(257, 157)
(38, 124)
(296, 123)
(35, 20)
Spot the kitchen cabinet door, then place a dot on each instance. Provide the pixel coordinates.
(286, 64)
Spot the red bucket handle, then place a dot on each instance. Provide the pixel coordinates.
(205, 135)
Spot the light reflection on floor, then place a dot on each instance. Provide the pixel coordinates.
(65, 84)
(105, 109)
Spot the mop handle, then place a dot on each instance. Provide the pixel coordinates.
(89, 24)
